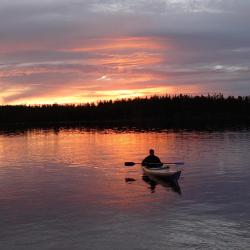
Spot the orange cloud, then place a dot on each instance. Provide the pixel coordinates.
(122, 43)
(119, 68)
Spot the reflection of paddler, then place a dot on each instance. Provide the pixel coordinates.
(154, 181)
(152, 160)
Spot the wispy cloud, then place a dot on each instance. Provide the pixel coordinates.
(77, 51)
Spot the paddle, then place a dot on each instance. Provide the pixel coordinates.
(131, 163)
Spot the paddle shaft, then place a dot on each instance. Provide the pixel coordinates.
(169, 163)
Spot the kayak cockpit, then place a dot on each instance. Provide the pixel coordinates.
(163, 171)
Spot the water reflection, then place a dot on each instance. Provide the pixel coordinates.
(153, 181)
(129, 180)
(65, 188)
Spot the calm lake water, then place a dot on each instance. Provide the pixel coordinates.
(68, 189)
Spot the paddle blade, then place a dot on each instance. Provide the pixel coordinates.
(129, 163)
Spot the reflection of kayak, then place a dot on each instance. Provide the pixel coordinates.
(153, 181)
(163, 172)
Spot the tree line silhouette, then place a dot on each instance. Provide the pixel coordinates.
(179, 111)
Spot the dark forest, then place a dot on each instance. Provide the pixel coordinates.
(169, 111)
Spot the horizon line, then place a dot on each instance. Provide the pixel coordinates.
(129, 99)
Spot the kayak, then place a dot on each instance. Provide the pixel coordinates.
(163, 172)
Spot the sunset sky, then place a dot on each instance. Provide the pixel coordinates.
(72, 51)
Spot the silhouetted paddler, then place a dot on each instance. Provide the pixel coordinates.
(152, 160)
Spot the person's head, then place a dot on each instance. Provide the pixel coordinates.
(151, 152)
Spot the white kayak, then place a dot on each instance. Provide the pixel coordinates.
(164, 172)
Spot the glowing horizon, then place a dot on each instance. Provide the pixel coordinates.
(125, 69)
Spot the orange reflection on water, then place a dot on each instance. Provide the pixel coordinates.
(85, 167)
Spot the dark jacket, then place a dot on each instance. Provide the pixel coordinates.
(151, 160)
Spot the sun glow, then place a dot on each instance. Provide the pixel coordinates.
(97, 96)
(115, 68)
(122, 43)
(131, 93)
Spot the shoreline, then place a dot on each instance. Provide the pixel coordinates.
(121, 126)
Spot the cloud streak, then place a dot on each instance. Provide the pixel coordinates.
(79, 51)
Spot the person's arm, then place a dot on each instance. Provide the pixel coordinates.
(144, 162)
(161, 164)
(158, 159)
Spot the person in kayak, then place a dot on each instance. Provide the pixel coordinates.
(152, 160)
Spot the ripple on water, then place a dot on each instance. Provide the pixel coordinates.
(68, 190)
